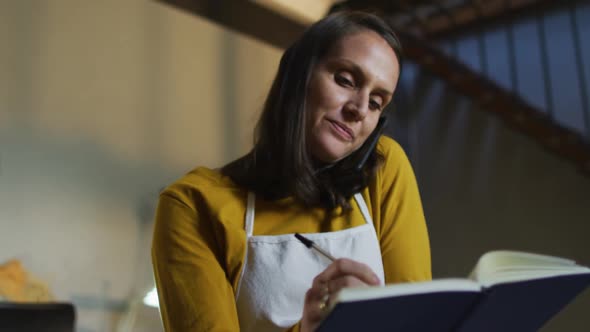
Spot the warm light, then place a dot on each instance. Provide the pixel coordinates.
(151, 299)
(303, 11)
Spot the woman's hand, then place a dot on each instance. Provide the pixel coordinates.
(341, 273)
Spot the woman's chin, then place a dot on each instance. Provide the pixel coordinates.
(329, 156)
(329, 149)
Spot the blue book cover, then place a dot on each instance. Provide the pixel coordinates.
(507, 291)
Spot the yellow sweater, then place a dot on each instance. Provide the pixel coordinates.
(199, 238)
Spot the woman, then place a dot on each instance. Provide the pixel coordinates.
(224, 254)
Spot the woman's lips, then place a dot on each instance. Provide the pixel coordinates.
(342, 130)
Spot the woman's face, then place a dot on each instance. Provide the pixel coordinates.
(348, 90)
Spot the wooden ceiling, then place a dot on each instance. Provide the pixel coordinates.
(428, 19)
(440, 18)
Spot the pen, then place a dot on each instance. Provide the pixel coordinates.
(310, 244)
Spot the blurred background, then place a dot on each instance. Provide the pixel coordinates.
(103, 103)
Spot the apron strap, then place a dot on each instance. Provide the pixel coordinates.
(250, 214)
(364, 209)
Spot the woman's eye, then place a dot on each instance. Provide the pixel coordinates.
(340, 79)
(374, 105)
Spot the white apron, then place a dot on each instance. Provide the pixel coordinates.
(279, 269)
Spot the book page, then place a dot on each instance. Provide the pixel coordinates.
(505, 266)
(442, 285)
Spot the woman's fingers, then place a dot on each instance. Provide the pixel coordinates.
(318, 293)
(335, 285)
(316, 301)
(341, 273)
(346, 267)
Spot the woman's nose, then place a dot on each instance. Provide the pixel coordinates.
(356, 107)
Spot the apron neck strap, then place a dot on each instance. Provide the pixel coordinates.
(364, 209)
(250, 214)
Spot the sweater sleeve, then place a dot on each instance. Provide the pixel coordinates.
(404, 238)
(193, 288)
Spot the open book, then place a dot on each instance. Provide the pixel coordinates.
(507, 291)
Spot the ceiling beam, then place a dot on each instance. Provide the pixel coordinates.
(246, 17)
(446, 18)
(487, 13)
(304, 11)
